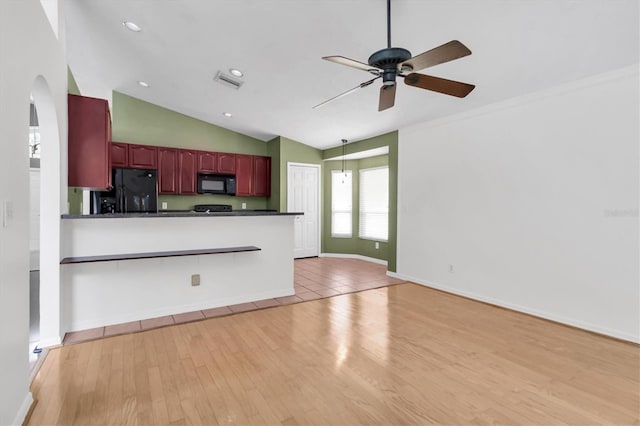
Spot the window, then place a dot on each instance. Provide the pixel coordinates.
(34, 133)
(341, 205)
(374, 203)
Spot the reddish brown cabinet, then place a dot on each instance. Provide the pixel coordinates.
(226, 163)
(253, 176)
(244, 175)
(187, 171)
(89, 152)
(261, 176)
(143, 157)
(119, 154)
(207, 162)
(167, 170)
(178, 168)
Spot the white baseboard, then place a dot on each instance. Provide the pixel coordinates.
(21, 415)
(355, 256)
(524, 309)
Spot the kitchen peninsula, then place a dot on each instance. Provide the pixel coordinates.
(125, 267)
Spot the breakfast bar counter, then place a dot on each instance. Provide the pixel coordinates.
(126, 267)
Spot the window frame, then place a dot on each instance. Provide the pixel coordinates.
(361, 210)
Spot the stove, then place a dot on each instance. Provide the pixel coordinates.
(210, 208)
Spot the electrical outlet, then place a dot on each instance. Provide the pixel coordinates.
(244, 205)
(451, 269)
(164, 205)
(195, 280)
(377, 245)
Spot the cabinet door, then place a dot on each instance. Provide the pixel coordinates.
(207, 162)
(119, 154)
(88, 142)
(262, 176)
(244, 175)
(167, 170)
(226, 163)
(143, 157)
(187, 166)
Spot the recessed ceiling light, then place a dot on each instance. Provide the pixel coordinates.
(236, 72)
(132, 26)
(143, 84)
(227, 114)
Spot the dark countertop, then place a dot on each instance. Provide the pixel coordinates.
(174, 213)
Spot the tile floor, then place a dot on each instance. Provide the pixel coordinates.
(314, 278)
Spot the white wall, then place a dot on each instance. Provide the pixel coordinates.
(533, 201)
(28, 49)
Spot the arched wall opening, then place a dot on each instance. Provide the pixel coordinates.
(51, 208)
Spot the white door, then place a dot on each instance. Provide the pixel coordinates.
(303, 195)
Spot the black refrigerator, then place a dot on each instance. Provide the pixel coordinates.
(134, 191)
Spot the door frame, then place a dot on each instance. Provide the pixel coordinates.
(319, 201)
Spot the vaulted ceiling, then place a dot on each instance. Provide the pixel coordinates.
(519, 47)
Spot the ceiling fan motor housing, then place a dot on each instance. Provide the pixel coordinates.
(388, 60)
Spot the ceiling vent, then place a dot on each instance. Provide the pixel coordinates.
(227, 80)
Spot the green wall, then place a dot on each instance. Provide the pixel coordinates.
(273, 150)
(72, 86)
(355, 245)
(140, 122)
(283, 151)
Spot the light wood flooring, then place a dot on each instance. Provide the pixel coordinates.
(403, 354)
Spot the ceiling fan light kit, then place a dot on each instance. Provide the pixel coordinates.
(393, 62)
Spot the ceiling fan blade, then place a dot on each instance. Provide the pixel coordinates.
(352, 63)
(438, 55)
(387, 97)
(360, 86)
(437, 84)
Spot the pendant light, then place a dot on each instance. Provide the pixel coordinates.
(344, 153)
(344, 160)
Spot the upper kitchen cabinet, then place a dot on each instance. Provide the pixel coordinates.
(207, 162)
(89, 150)
(244, 175)
(261, 176)
(226, 163)
(187, 167)
(143, 157)
(253, 176)
(167, 170)
(119, 154)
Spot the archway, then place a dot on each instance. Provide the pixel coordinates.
(49, 200)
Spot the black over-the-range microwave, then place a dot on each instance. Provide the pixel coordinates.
(216, 184)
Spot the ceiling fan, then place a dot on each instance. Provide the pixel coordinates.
(395, 62)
